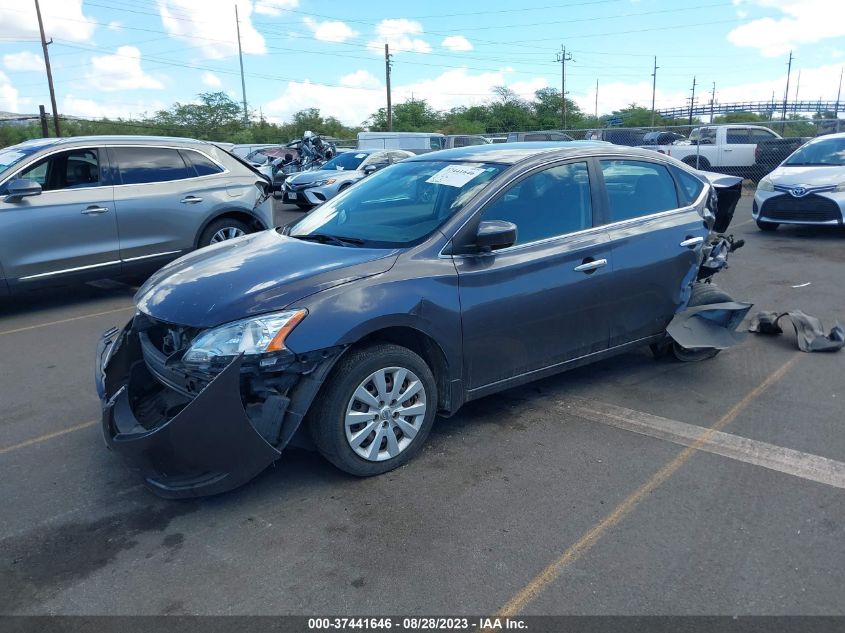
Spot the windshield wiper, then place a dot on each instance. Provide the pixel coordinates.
(325, 238)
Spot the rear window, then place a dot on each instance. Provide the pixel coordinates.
(203, 165)
(690, 186)
(140, 165)
(637, 188)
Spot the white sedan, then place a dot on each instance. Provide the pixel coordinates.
(807, 188)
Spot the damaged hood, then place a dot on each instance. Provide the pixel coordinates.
(251, 275)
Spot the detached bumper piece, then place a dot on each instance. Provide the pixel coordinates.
(808, 330)
(183, 446)
(709, 326)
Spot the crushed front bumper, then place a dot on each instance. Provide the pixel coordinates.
(198, 445)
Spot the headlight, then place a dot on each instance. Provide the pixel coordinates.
(327, 181)
(766, 185)
(258, 335)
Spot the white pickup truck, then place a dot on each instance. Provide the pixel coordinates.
(727, 149)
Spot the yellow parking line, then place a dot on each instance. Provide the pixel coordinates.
(76, 318)
(536, 586)
(48, 436)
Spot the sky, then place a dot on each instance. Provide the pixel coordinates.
(128, 58)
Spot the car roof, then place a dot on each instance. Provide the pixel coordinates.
(116, 140)
(512, 153)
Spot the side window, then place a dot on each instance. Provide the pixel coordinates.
(73, 169)
(536, 137)
(203, 166)
(436, 142)
(139, 165)
(738, 136)
(761, 135)
(548, 203)
(636, 188)
(690, 186)
(395, 157)
(460, 141)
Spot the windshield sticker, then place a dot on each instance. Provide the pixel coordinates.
(455, 175)
(360, 155)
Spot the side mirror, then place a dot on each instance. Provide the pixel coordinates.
(495, 234)
(21, 188)
(369, 169)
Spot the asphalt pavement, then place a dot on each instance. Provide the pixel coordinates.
(532, 501)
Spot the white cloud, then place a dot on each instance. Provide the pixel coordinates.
(398, 34)
(90, 109)
(798, 22)
(211, 25)
(62, 19)
(456, 43)
(121, 71)
(362, 94)
(360, 79)
(274, 7)
(211, 80)
(330, 30)
(9, 101)
(23, 62)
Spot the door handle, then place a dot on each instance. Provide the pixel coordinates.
(190, 200)
(590, 266)
(691, 242)
(95, 210)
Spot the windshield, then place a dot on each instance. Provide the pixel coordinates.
(345, 161)
(400, 205)
(11, 156)
(830, 152)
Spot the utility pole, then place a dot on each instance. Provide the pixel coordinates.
(653, 89)
(241, 58)
(838, 93)
(44, 44)
(692, 101)
(387, 68)
(712, 102)
(597, 102)
(562, 58)
(786, 93)
(797, 86)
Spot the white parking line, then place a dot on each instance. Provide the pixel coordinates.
(783, 460)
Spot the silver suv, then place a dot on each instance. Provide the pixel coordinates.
(82, 208)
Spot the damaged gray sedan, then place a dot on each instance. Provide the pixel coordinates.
(439, 280)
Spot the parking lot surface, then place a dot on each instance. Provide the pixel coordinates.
(533, 501)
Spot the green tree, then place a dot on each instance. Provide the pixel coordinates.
(215, 117)
(547, 110)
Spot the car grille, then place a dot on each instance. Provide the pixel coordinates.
(297, 187)
(811, 208)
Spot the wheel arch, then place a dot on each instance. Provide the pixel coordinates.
(236, 214)
(426, 348)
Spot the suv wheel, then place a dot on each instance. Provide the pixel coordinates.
(375, 411)
(222, 230)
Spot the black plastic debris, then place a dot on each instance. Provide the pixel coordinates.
(808, 330)
(712, 325)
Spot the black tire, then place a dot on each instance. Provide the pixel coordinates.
(702, 294)
(224, 225)
(304, 206)
(326, 419)
(703, 163)
(767, 226)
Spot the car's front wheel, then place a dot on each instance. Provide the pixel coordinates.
(375, 410)
(222, 230)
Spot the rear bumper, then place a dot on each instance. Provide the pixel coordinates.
(207, 446)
